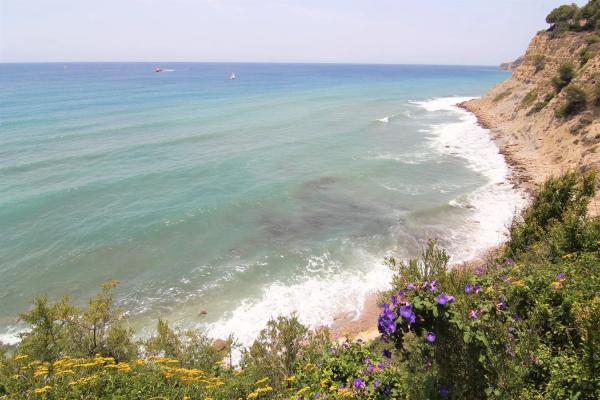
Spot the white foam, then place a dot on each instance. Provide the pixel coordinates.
(441, 103)
(383, 120)
(314, 299)
(418, 157)
(11, 335)
(493, 205)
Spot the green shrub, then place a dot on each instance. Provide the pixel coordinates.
(529, 99)
(597, 94)
(540, 105)
(593, 39)
(575, 102)
(566, 73)
(502, 95)
(585, 55)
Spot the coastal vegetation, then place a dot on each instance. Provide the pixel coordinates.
(502, 95)
(571, 17)
(575, 102)
(523, 324)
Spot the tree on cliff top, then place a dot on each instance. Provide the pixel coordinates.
(570, 17)
(562, 17)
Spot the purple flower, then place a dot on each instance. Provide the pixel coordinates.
(406, 311)
(479, 270)
(476, 288)
(560, 275)
(376, 384)
(395, 300)
(468, 288)
(474, 314)
(410, 286)
(500, 306)
(451, 299)
(511, 329)
(517, 317)
(444, 392)
(443, 298)
(433, 286)
(387, 353)
(430, 337)
(359, 384)
(386, 323)
(370, 368)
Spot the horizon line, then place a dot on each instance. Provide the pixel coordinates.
(248, 62)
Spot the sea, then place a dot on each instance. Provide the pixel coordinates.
(219, 203)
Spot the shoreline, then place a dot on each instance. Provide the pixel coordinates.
(364, 327)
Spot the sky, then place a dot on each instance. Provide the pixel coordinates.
(471, 32)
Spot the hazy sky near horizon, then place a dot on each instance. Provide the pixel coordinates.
(353, 31)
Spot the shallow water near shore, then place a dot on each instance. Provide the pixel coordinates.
(219, 203)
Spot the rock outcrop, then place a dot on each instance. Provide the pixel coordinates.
(511, 66)
(522, 111)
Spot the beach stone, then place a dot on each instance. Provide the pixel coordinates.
(219, 344)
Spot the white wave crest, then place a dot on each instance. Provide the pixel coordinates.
(493, 205)
(315, 300)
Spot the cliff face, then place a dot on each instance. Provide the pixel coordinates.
(521, 111)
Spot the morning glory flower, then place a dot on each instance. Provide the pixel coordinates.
(474, 314)
(386, 322)
(560, 275)
(442, 299)
(406, 311)
(433, 286)
(359, 383)
(468, 288)
(430, 337)
(376, 384)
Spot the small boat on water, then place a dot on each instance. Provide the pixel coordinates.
(232, 76)
(158, 69)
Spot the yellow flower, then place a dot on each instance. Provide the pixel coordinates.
(303, 390)
(261, 381)
(291, 378)
(21, 357)
(42, 390)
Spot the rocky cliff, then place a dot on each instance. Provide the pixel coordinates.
(511, 66)
(526, 112)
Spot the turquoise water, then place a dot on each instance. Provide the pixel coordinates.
(279, 191)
